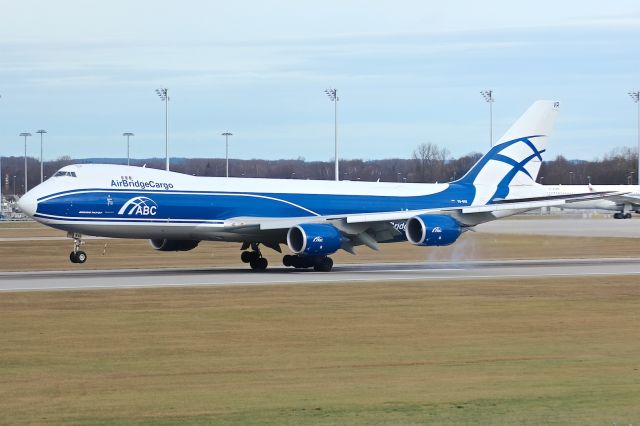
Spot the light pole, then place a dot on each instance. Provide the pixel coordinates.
(42, 132)
(636, 98)
(163, 93)
(488, 96)
(226, 149)
(25, 134)
(333, 96)
(570, 178)
(128, 134)
(14, 185)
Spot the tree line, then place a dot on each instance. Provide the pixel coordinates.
(428, 163)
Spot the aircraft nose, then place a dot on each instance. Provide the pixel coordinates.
(28, 203)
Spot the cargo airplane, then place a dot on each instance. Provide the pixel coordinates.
(313, 218)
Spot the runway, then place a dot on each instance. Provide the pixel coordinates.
(385, 272)
(569, 226)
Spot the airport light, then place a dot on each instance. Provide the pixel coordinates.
(42, 132)
(333, 96)
(570, 178)
(14, 185)
(635, 95)
(488, 96)
(226, 149)
(128, 134)
(26, 135)
(163, 93)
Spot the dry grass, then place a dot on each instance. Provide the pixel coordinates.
(562, 351)
(118, 253)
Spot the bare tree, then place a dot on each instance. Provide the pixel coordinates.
(430, 161)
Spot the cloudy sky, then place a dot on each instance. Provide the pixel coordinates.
(407, 72)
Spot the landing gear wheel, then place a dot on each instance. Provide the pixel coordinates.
(617, 215)
(627, 216)
(249, 256)
(77, 255)
(287, 260)
(323, 265)
(80, 256)
(259, 264)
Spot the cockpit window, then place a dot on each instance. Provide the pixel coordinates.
(64, 173)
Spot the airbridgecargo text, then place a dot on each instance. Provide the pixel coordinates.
(138, 184)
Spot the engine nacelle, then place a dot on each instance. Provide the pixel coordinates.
(173, 245)
(432, 230)
(314, 239)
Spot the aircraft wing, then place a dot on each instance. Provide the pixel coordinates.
(268, 223)
(623, 198)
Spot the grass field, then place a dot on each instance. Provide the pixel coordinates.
(526, 352)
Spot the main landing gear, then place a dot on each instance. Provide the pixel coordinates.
(621, 215)
(318, 263)
(77, 255)
(254, 258)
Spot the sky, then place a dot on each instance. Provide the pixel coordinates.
(407, 72)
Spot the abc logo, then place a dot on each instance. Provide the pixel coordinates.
(139, 206)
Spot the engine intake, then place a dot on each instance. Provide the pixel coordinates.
(173, 245)
(314, 239)
(432, 230)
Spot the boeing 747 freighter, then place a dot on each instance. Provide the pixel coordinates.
(313, 218)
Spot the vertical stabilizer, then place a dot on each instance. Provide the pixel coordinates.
(517, 156)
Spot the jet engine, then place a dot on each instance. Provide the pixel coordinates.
(432, 230)
(314, 239)
(173, 245)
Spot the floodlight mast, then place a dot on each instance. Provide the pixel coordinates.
(226, 149)
(26, 135)
(635, 95)
(333, 96)
(128, 134)
(163, 93)
(488, 96)
(42, 132)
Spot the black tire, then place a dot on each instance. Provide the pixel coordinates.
(248, 256)
(72, 257)
(627, 216)
(617, 215)
(287, 260)
(323, 265)
(259, 264)
(80, 256)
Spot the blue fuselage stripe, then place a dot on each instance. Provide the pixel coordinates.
(180, 206)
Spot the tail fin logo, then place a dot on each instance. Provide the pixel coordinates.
(139, 206)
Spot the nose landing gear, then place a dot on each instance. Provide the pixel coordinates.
(77, 255)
